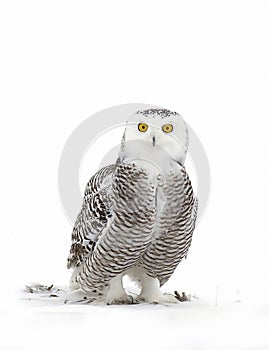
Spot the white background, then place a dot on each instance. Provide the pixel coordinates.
(62, 61)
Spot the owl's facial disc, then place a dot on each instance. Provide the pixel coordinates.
(155, 130)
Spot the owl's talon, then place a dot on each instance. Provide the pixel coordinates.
(122, 300)
(158, 299)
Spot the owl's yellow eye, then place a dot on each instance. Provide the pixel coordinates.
(167, 128)
(142, 127)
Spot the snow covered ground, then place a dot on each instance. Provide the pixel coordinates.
(44, 320)
(48, 323)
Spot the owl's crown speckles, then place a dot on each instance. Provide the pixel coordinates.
(154, 112)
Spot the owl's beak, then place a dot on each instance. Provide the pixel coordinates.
(153, 140)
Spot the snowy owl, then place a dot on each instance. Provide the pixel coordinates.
(138, 215)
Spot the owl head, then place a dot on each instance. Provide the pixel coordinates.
(155, 131)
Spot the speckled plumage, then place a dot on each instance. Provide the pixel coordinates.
(153, 112)
(138, 215)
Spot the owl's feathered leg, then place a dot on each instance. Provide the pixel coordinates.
(151, 291)
(116, 293)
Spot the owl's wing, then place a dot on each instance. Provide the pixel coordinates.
(126, 234)
(93, 217)
(176, 227)
(183, 226)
